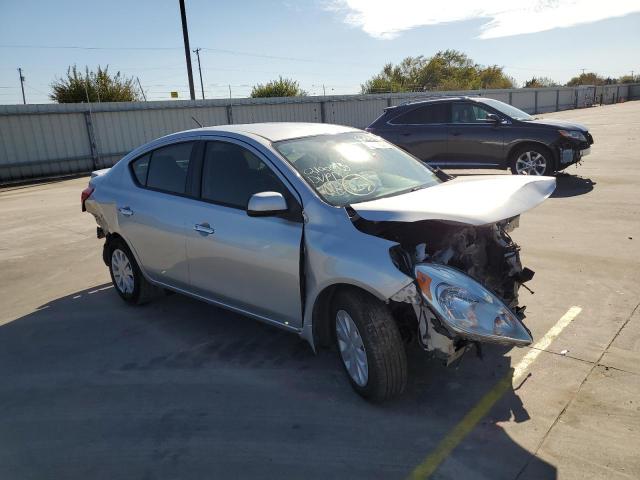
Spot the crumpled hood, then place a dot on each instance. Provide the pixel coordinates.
(475, 200)
(558, 124)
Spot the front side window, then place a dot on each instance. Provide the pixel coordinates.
(468, 113)
(428, 114)
(231, 174)
(507, 109)
(168, 168)
(355, 167)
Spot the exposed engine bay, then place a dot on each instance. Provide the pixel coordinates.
(484, 254)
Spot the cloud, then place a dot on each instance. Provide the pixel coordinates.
(504, 18)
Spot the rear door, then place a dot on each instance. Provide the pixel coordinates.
(249, 263)
(474, 140)
(151, 214)
(422, 131)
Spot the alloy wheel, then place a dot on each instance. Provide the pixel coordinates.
(352, 351)
(531, 163)
(122, 271)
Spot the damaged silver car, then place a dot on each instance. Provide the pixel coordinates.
(327, 231)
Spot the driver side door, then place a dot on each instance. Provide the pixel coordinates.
(248, 263)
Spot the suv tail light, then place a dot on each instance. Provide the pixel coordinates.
(86, 193)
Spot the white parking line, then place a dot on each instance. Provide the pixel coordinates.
(458, 433)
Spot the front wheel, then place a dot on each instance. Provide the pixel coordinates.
(532, 160)
(370, 345)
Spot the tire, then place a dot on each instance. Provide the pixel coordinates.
(539, 159)
(126, 276)
(380, 345)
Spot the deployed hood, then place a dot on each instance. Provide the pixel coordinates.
(559, 124)
(475, 200)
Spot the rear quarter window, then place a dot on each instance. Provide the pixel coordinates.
(139, 168)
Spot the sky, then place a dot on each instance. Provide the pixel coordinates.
(329, 46)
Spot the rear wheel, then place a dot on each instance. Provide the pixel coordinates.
(532, 160)
(369, 345)
(126, 276)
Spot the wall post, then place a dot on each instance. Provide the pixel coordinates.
(230, 114)
(557, 100)
(95, 158)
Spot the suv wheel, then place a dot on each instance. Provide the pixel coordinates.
(532, 160)
(126, 275)
(370, 345)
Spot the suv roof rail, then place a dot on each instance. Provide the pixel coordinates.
(426, 98)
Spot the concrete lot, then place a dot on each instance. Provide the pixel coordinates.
(92, 388)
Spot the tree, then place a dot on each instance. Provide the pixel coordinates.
(446, 70)
(98, 86)
(628, 79)
(283, 87)
(589, 78)
(540, 82)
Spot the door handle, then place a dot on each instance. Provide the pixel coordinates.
(455, 134)
(203, 228)
(126, 211)
(405, 134)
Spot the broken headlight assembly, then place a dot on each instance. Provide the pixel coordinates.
(467, 308)
(573, 134)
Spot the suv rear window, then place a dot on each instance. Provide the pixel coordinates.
(435, 113)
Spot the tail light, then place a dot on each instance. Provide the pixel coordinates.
(86, 193)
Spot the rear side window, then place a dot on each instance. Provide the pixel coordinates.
(435, 113)
(140, 167)
(168, 167)
(231, 174)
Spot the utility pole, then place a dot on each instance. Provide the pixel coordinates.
(141, 90)
(22, 85)
(187, 50)
(197, 52)
(583, 69)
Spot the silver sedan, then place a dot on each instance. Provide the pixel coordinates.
(327, 231)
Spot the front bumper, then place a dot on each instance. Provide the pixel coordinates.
(572, 152)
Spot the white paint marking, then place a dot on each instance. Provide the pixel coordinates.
(544, 342)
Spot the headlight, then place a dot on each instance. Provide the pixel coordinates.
(574, 134)
(468, 308)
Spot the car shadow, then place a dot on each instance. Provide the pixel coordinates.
(178, 388)
(568, 185)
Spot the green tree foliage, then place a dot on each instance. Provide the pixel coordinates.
(540, 82)
(283, 87)
(99, 86)
(589, 78)
(446, 70)
(628, 79)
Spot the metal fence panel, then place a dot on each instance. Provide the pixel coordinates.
(52, 139)
(354, 113)
(294, 112)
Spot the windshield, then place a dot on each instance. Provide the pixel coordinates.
(508, 110)
(355, 167)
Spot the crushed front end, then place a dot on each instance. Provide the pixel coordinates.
(466, 284)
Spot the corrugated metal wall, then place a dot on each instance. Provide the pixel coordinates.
(47, 140)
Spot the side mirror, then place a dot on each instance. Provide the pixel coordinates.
(264, 204)
(492, 117)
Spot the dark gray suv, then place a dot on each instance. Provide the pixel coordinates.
(475, 132)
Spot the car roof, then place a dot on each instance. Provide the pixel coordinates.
(276, 131)
(444, 98)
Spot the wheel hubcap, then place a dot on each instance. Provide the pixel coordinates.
(122, 271)
(351, 348)
(531, 163)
